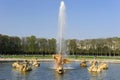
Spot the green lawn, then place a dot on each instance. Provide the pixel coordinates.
(28, 56)
(92, 57)
(50, 57)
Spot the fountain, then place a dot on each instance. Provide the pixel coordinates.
(95, 67)
(26, 65)
(61, 45)
(44, 73)
(23, 67)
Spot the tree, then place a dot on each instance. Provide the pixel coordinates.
(14, 45)
(43, 45)
(51, 46)
(72, 46)
(32, 44)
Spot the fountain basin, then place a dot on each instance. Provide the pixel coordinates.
(44, 72)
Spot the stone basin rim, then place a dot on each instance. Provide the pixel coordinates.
(49, 60)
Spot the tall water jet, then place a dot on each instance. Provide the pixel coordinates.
(61, 45)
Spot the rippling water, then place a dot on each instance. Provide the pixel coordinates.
(44, 72)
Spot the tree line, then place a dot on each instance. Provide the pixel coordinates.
(31, 45)
(98, 47)
(26, 45)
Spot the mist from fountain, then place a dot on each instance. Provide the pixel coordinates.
(61, 44)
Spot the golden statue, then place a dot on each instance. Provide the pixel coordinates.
(25, 66)
(59, 62)
(83, 63)
(95, 67)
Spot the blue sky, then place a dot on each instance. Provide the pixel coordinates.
(86, 19)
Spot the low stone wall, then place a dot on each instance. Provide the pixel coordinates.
(12, 59)
(46, 60)
(100, 60)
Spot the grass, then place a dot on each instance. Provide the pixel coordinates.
(98, 57)
(28, 56)
(50, 57)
